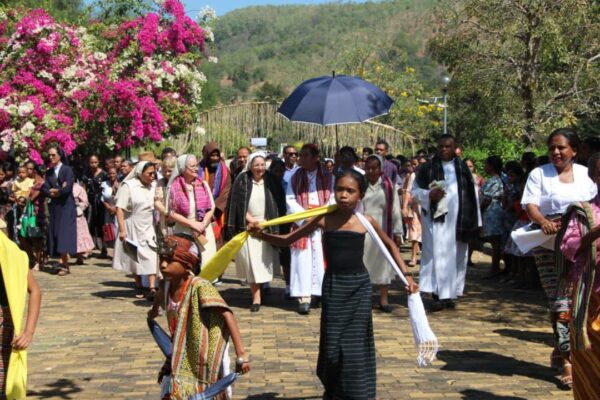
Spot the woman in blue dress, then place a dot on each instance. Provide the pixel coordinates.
(492, 194)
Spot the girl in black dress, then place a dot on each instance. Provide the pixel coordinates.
(346, 364)
(93, 179)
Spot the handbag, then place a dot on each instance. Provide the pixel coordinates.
(108, 232)
(29, 228)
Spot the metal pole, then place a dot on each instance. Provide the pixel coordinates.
(445, 111)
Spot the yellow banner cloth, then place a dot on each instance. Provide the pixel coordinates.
(219, 262)
(14, 264)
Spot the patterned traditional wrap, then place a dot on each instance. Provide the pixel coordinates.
(583, 276)
(180, 203)
(199, 341)
(388, 189)
(299, 182)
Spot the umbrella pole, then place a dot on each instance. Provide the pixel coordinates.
(337, 142)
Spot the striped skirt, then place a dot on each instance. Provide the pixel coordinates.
(586, 363)
(6, 335)
(346, 364)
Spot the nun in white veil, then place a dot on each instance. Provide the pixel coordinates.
(190, 205)
(135, 207)
(255, 196)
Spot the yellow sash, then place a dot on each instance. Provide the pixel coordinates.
(219, 262)
(14, 264)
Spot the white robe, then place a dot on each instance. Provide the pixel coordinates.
(137, 203)
(307, 266)
(443, 259)
(374, 204)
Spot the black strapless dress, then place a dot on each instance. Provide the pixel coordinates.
(346, 363)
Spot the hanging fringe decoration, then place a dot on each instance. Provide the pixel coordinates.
(425, 339)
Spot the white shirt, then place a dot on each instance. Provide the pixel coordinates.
(545, 189)
(57, 169)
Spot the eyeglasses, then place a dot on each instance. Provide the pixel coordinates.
(192, 167)
(291, 154)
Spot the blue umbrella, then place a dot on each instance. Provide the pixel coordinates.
(333, 100)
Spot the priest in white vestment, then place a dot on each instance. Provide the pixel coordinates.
(450, 217)
(311, 186)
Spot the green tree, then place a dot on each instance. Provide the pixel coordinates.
(271, 92)
(63, 10)
(388, 67)
(526, 66)
(117, 11)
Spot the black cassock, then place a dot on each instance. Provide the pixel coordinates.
(62, 231)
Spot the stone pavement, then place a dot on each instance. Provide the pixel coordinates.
(92, 343)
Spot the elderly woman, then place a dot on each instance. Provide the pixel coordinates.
(191, 206)
(256, 196)
(62, 231)
(548, 192)
(135, 207)
(580, 248)
(381, 202)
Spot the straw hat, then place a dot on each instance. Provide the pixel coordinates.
(148, 156)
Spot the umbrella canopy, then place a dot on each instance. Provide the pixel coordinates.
(332, 100)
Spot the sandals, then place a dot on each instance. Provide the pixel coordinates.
(412, 263)
(139, 292)
(63, 270)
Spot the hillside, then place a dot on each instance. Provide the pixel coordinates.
(284, 45)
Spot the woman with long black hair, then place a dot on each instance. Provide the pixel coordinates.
(93, 178)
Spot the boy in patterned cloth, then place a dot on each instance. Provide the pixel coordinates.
(200, 323)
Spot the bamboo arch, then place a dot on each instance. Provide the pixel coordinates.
(234, 125)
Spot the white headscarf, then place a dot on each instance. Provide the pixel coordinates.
(251, 158)
(179, 168)
(136, 171)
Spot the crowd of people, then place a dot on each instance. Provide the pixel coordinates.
(435, 201)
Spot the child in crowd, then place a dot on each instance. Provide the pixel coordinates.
(346, 363)
(200, 323)
(21, 187)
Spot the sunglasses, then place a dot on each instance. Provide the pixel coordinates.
(291, 154)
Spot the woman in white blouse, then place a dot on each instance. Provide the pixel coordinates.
(550, 189)
(381, 202)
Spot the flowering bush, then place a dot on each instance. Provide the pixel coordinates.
(102, 87)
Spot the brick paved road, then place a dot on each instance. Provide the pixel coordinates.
(92, 343)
